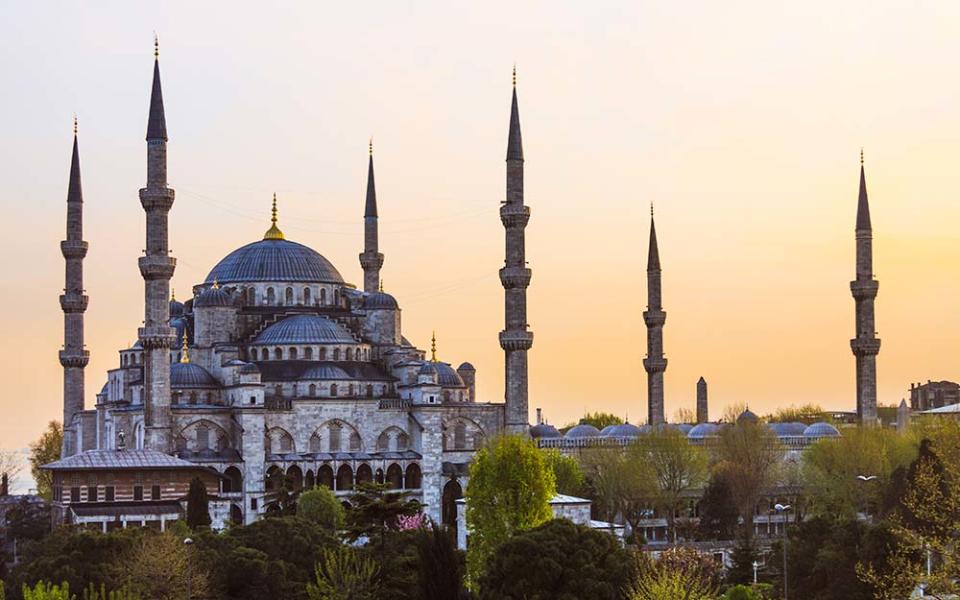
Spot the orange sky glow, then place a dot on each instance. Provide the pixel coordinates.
(741, 121)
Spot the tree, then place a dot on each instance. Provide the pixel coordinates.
(345, 574)
(161, 567)
(558, 560)
(320, 506)
(47, 591)
(749, 454)
(10, 464)
(618, 485)
(600, 419)
(718, 513)
(680, 572)
(198, 505)
(440, 566)
(806, 413)
(679, 468)
(741, 592)
(566, 472)
(684, 415)
(509, 490)
(43, 451)
(374, 510)
(744, 555)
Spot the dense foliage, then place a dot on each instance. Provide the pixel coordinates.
(557, 561)
(46, 450)
(321, 506)
(198, 505)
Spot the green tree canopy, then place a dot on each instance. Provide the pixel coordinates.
(566, 472)
(748, 456)
(718, 513)
(344, 573)
(46, 450)
(198, 505)
(680, 572)
(557, 561)
(509, 490)
(322, 507)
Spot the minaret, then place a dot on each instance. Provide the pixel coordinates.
(654, 317)
(515, 339)
(703, 414)
(73, 357)
(865, 346)
(370, 259)
(157, 267)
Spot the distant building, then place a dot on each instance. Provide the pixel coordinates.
(934, 394)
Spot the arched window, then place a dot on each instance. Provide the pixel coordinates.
(413, 478)
(349, 354)
(278, 389)
(292, 354)
(325, 476)
(288, 296)
(251, 296)
(402, 441)
(369, 391)
(308, 353)
(286, 443)
(203, 438)
(383, 442)
(335, 437)
(193, 397)
(446, 395)
(344, 478)
(350, 391)
(354, 442)
(313, 390)
(271, 297)
(336, 354)
(336, 297)
(460, 435)
(395, 476)
(306, 296)
(323, 354)
(333, 389)
(181, 443)
(364, 474)
(323, 296)
(315, 446)
(277, 354)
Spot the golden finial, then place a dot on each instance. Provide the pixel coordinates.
(185, 351)
(370, 146)
(381, 285)
(861, 156)
(274, 232)
(651, 210)
(433, 347)
(216, 284)
(173, 295)
(74, 124)
(514, 74)
(156, 45)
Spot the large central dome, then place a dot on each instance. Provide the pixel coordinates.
(274, 260)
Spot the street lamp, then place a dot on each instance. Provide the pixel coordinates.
(783, 508)
(188, 542)
(756, 566)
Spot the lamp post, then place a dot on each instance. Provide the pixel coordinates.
(756, 566)
(783, 508)
(188, 542)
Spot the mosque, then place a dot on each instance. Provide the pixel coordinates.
(276, 371)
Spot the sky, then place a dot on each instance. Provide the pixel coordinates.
(741, 121)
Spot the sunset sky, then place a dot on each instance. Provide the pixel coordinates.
(742, 122)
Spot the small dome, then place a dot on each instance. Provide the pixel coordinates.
(703, 430)
(583, 430)
(747, 416)
(821, 430)
(176, 308)
(466, 367)
(787, 429)
(190, 375)
(380, 301)
(447, 377)
(325, 372)
(684, 428)
(543, 430)
(427, 369)
(181, 326)
(606, 430)
(305, 329)
(213, 297)
(626, 430)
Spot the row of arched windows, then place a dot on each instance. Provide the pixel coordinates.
(333, 390)
(345, 477)
(291, 296)
(307, 353)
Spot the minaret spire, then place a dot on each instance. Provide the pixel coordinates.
(864, 288)
(515, 339)
(73, 302)
(157, 267)
(371, 259)
(654, 317)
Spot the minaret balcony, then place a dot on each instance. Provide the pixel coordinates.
(516, 340)
(75, 359)
(157, 337)
(515, 277)
(865, 346)
(371, 260)
(654, 318)
(73, 303)
(157, 267)
(156, 198)
(655, 365)
(864, 289)
(514, 215)
(73, 248)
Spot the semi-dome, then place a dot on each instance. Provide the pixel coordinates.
(544, 430)
(304, 329)
(274, 260)
(821, 430)
(583, 430)
(624, 430)
(703, 430)
(380, 301)
(325, 372)
(190, 375)
(212, 297)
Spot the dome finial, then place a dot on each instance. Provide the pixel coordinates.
(274, 232)
(433, 347)
(74, 124)
(185, 351)
(173, 295)
(156, 45)
(216, 284)
(381, 285)
(861, 156)
(514, 74)
(370, 146)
